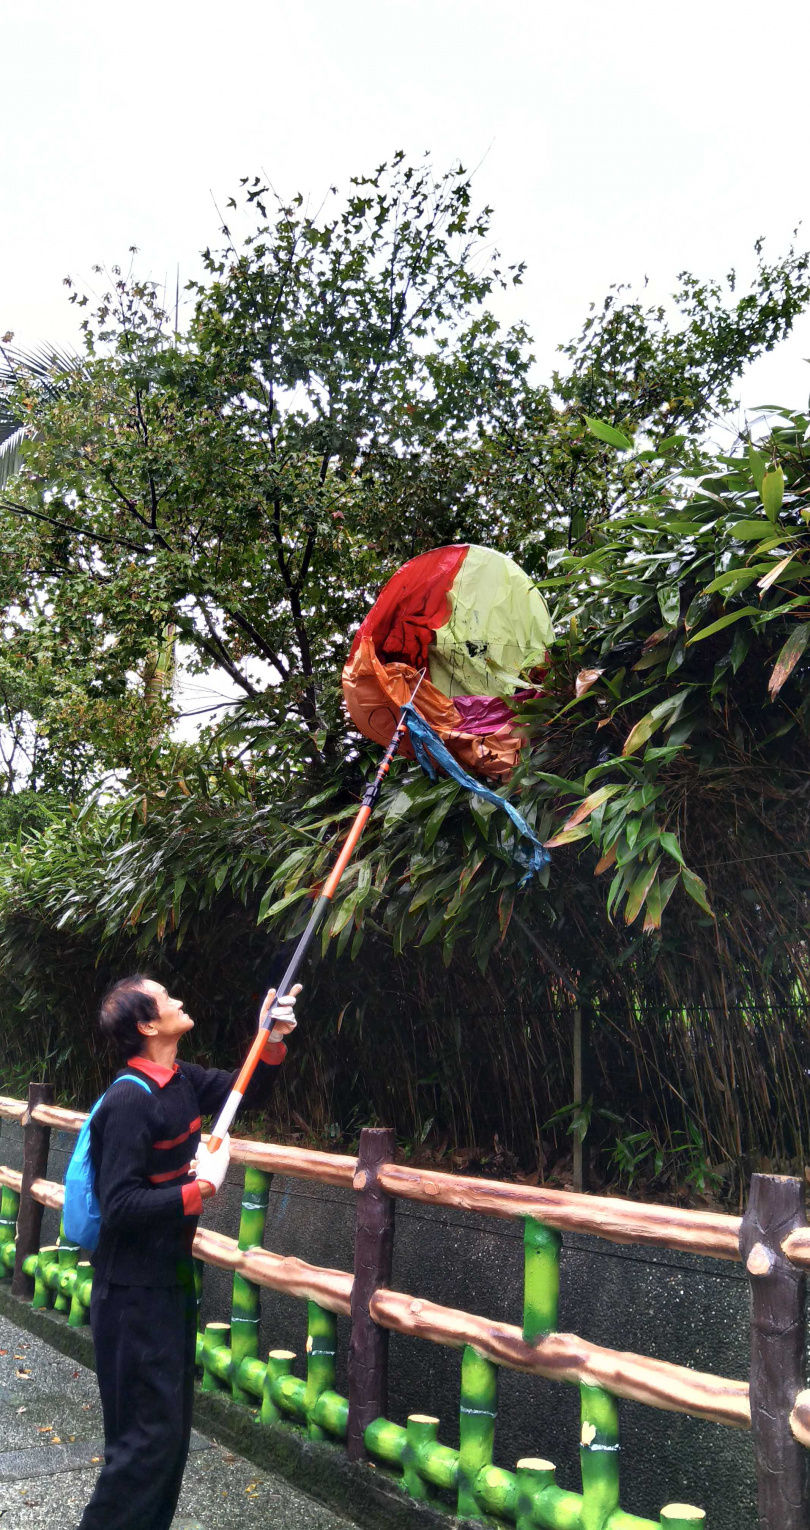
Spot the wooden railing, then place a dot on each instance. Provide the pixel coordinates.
(772, 1239)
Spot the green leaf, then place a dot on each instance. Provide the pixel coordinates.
(670, 844)
(669, 599)
(772, 492)
(788, 658)
(609, 434)
(648, 724)
(268, 910)
(758, 465)
(639, 891)
(751, 531)
(696, 888)
(724, 621)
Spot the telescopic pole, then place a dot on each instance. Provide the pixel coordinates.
(370, 795)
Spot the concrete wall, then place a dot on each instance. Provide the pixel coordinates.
(672, 1306)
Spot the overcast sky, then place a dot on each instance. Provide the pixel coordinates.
(613, 140)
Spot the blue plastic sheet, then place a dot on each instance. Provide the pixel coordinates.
(430, 752)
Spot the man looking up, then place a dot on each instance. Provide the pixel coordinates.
(152, 1177)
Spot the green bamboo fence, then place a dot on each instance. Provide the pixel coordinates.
(465, 1480)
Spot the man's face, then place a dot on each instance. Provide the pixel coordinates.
(172, 1019)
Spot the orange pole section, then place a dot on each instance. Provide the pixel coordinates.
(346, 853)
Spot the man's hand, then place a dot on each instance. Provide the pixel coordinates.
(211, 1168)
(280, 1011)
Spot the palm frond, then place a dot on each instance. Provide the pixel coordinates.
(10, 453)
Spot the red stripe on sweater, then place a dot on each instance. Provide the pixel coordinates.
(160, 1179)
(184, 1136)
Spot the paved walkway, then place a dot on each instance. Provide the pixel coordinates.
(51, 1449)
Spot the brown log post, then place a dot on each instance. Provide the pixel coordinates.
(775, 1208)
(36, 1142)
(373, 1251)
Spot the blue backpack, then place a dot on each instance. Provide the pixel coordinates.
(81, 1214)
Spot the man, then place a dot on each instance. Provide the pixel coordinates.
(152, 1177)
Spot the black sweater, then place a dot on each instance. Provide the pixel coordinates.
(141, 1148)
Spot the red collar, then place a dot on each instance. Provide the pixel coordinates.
(153, 1070)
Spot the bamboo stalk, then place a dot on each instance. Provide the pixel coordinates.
(45, 1263)
(68, 1260)
(9, 1206)
(331, 1415)
(321, 1349)
(215, 1339)
(331, 1288)
(598, 1456)
(246, 1302)
(80, 1295)
(681, 1516)
(279, 1364)
(476, 1429)
(541, 1279)
(421, 1436)
(619, 1221)
(567, 1357)
(541, 1502)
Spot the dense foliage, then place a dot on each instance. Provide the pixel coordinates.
(233, 497)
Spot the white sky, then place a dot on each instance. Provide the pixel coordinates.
(614, 140)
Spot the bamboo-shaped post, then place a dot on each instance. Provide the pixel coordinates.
(373, 1252)
(476, 1430)
(279, 1363)
(36, 1142)
(534, 1476)
(80, 1296)
(215, 1337)
(775, 1208)
(68, 1260)
(9, 1207)
(422, 1431)
(246, 1305)
(43, 1264)
(598, 1456)
(321, 1349)
(541, 1279)
(681, 1516)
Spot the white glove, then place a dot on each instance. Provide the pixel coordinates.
(281, 1010)
(212, 1167)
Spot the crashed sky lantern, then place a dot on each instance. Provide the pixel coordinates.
(479, 625)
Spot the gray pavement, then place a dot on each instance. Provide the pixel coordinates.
(51, 1449)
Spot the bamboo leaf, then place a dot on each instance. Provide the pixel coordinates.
(654, 909)
(595, 800)
(772, 492)
(788, 658)
(724, 621)
(696, 888)
(639, 891)
(771, 577)
(567, 837)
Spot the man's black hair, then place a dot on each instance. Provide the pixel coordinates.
(123, 1008)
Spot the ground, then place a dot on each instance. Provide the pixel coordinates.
(51, 1448)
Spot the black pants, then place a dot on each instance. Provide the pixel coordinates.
(144, 1339)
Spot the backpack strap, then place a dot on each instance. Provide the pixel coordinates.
(131, 1078)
